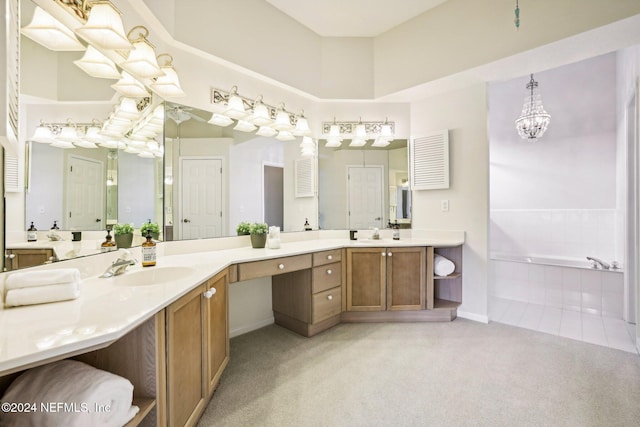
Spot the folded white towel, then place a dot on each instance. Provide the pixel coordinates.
(27, 279)
(42, 294)
(82, 388)
(442, 266)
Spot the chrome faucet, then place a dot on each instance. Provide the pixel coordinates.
(597, 262)
(118, 267)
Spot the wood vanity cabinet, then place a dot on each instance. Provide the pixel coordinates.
(23, 258)
(197, 349)
(309, 301)
(381, 279)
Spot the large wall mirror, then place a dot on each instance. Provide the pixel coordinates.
(363, 187)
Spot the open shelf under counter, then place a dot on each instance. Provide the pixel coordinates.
(444, 304)
(146, 404)
(449, 277)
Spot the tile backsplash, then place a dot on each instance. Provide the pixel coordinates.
(575, 233)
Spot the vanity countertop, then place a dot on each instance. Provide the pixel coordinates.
(109, 308)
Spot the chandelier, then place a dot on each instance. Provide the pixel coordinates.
(534, 120)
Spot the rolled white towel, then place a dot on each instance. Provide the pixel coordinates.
(78, 394)
(42, 294)
(442, 266)
(28, 279)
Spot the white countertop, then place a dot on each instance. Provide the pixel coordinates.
(109, 309)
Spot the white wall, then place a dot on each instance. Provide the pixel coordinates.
(464, 113)
(136, 206)
(45, 201)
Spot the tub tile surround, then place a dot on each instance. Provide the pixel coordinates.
(557, 232)
(32, 334)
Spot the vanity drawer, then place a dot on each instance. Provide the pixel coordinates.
(327, 257)
(326, 277)
(271, 267)
(326, 304)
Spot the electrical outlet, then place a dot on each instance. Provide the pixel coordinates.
(444, 205)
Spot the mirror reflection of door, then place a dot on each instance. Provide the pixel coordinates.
(365, 196)
(200, 198)
(85, 194)
(273, 195)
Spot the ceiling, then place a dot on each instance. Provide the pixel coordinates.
(353, 18)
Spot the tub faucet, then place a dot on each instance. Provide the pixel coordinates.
(597, 262)
(118, 267)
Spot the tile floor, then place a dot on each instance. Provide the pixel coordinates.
(600, 330)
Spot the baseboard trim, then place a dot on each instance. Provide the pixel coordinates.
(472, 316)
(251, 327)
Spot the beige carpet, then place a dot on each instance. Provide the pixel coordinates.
(424, 374)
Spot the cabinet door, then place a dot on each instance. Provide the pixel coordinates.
(366, 279)
(23, 258)
(186, 366)
(217, 328)
(406, 278)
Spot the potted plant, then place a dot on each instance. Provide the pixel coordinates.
(243, 228)
(123, 235)
(152, 227)
(258, 232)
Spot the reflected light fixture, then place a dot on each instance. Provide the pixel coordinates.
(168, 84)
(142, 60)
(533, 120)
(220, 120)
(104, 28)
(245, 126)
(285, 135)
(333, 141)
(43, 135)
(267, 131)
(94, 63)
(129, 86)
(307, 147)
(51, 33)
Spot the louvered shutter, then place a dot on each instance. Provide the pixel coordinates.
(304, 177)
(429, 161)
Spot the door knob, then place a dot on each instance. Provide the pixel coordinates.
(186, 220)
(98, 220)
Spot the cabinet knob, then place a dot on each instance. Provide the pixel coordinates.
(384, 254)
(330, 297)
(329, 271)
(389, 254)
(329, 257)
(10, 256)
(281, 266)
(211, 292)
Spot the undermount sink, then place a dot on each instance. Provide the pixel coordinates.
(153, 276)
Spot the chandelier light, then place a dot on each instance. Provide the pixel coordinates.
(51, 33)
(94, 63)
(534, 120)
(142, 61)
(104, 28)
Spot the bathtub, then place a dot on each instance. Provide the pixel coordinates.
(560, 282)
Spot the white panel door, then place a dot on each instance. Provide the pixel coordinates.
(365, 197)
(85, 195)
(200, 198)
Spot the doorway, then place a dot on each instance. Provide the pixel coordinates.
(273, 195)
(200, 198)
(84, 201)
(364, 195)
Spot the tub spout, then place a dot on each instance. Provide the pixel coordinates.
(601, 263)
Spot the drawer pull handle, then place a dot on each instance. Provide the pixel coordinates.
(211, 292)
(329, 272)
(330, 297)
(329, 257)
(281, 266)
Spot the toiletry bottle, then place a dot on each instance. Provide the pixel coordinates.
(149, 251)
(32, 233)
(108, 245)
(396, 231)
(307, 226)
(53, 233)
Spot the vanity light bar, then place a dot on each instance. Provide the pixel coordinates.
(371, 128)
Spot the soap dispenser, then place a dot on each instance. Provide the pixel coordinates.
(108, 245)
(53, 233)
(32, 233)
(396, 231)
(149, 251)
(307, 226)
